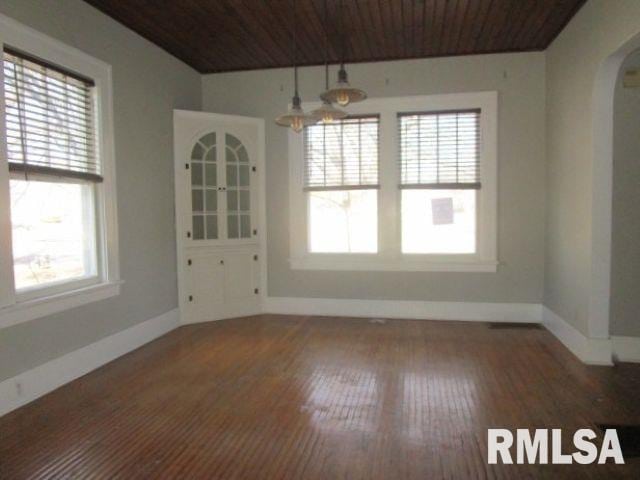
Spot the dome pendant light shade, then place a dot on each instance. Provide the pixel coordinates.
(342, 93)
(295, 117)
(327, 113)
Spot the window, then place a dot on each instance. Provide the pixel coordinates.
(56, 174)
(403, 184)
(438, 221)
(51, 156)
(53, 229)
(439, 176)
(341, 181)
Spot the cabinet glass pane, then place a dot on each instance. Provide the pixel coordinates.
(204, 199)
(209, 139)
(197, 152)
(198, 227)
(197, 204)
(211, 200)
(211, 174)
(244, 200)
(212, 227)
(232, 141)
(231, 156)
(242, 155)
(238, 196)
(196, 174)
(232, 226)
(232, 176)
(232, 200)
(245, 226)
(210, 156)
(244, 175)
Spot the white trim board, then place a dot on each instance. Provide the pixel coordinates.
(592, 351)
(40, 307)
(32, 384)
(626, 349)
(469, 311)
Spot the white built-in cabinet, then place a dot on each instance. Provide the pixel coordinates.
(217, 214)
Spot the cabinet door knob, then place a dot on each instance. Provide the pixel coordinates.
(221, 262)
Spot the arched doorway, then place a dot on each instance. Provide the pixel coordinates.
(602, 192)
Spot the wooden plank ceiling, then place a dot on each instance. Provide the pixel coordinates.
(227, 35)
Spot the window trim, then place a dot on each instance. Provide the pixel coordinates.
(17, 307)
(389, 256)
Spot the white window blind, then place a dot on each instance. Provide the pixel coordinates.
(342, 155)
(49, 119)
(440, 150)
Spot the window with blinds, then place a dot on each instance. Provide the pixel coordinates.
(342, 155)
(440, 150)
(49, 119)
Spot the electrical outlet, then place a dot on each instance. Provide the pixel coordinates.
(19, 390)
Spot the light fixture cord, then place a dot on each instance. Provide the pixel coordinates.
(295, 49)
(326, 45)
(342, 34)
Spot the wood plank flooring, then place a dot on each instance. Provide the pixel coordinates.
(290, 397)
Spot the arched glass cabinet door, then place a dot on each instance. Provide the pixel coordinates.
(204, 188)
(238, 189)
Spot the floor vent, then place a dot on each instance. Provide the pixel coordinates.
(629, 436)
(518, 325)
(379, 321)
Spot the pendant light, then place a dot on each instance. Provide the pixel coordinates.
(295, 117)
(327, 113)
(342, 93)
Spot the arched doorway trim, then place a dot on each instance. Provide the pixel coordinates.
(602, 191)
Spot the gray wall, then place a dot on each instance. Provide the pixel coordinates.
(148, 84)
(625, 262)
(599, 29)
(520, 80)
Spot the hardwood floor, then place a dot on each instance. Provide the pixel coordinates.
(308, 397)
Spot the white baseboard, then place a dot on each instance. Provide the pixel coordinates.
(592, 351)
(470, 311)
(237, 309)
(29, 385)
(626, 349)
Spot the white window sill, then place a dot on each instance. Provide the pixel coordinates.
(320, 262)
(41, 307)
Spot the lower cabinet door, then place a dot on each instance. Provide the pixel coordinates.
(206, 287)
(239, 276)
(241, 283)
(223, 285)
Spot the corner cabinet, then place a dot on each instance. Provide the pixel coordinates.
(218, 180)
